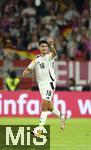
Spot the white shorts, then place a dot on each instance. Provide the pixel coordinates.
(47, 90)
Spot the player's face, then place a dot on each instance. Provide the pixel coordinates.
(43, 48)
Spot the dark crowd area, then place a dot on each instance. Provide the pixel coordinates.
(24, 22)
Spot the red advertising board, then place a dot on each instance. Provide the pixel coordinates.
(27, 104)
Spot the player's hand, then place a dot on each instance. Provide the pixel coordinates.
(50, 41)
(26, 73)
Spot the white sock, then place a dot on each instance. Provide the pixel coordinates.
(56, 112)
(43, 118)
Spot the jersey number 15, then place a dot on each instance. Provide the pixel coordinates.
(42, 65)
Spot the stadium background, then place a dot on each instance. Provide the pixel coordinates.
(22, 24)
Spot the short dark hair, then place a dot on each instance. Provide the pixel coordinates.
(43, 41)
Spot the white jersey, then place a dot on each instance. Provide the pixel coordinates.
(44, 67)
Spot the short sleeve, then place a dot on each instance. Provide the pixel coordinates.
(32, 64)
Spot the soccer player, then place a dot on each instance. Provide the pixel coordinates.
(44, 65)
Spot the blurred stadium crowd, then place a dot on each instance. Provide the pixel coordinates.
(24, 22)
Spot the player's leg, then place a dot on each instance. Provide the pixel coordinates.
(44, 110)
(47, 92)
(57, 113)
(52, 109)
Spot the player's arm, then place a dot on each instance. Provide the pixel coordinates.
(52, 47)
(30, 67)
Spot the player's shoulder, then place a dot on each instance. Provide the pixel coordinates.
(36, 57)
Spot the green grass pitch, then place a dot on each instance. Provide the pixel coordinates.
(76, 136)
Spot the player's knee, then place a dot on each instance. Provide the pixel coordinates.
(50, 109)
(50, 106)
(44, 105)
